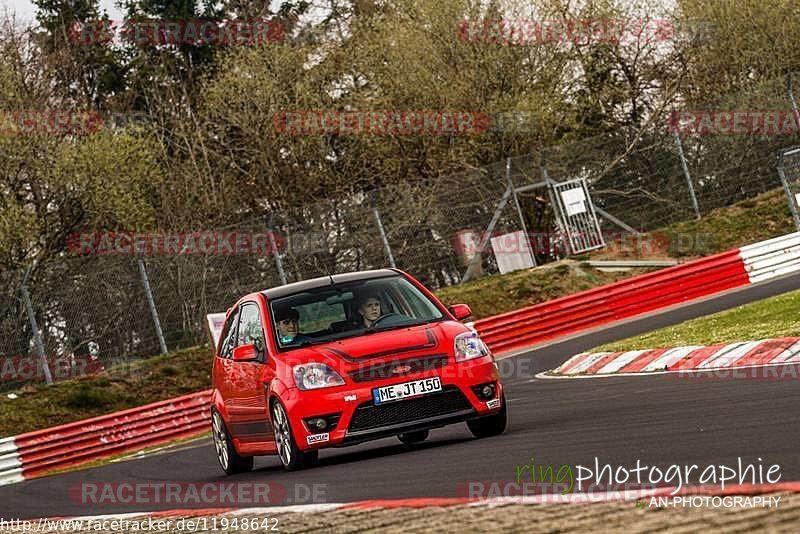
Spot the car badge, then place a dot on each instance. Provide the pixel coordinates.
(400, 369)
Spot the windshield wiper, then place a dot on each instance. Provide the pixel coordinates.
(396, 326)
(309, 342)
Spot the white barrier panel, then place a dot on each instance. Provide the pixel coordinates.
(10, 466)
(215, 322)
(772, 258)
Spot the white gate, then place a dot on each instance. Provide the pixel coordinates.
(577, 216)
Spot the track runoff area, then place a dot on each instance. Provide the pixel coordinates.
(611, 451)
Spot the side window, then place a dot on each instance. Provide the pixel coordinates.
(250, 329)
(228, 336)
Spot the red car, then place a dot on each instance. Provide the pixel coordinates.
(344, 359)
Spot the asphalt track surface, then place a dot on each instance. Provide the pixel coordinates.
(662, 420)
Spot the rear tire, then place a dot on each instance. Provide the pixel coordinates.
(290, 454)
(229, 459)
(490, 425)
(410, 438)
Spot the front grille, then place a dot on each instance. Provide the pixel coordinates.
(369, 416)
(390, 369)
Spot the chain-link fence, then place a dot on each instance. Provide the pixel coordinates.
(96, 310)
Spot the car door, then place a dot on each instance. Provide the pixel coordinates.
(250, 425)
(223, 363)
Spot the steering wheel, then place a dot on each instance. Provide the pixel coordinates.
(382, 317)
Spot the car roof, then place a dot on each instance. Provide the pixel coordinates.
(314, 283)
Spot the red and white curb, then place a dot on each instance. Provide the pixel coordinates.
(440, 502)
(741, 355)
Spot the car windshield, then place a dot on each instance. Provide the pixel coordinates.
(350, 309)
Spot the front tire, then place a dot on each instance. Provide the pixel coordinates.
(290, 454)
(490, 425)
(229, 459)
(410, 438)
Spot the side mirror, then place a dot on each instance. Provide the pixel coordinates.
(245, 353)
(460, 311)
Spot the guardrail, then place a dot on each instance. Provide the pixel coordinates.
(35, 453)
(613, 302)
(39, 452)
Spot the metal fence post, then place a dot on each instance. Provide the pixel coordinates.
(37, 336)
(386, 248)
(555, 205)
(789, 195)
(476, 259)
(790, 90)
(275, 253)
(152, 305)
(679, 146)
(519, 212)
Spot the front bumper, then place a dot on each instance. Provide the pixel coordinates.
(361, 420)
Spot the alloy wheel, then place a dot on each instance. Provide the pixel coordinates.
(220, 440)
(282, 433)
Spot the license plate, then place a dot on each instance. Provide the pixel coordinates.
(406, 389)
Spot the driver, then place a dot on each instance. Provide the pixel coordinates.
(369, 307)
(288, 320)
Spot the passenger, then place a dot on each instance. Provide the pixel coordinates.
(369, 308)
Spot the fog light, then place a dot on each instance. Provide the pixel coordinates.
(322, 423)
(318, 422)
(486, 391)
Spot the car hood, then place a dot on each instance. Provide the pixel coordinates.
(353, 353)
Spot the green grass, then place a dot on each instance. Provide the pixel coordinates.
(749, 221)
(188, 371)
(769, 318)
(118, 388)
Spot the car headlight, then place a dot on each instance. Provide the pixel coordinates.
(469, 346)
(315, 376)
